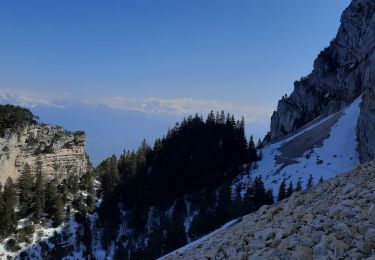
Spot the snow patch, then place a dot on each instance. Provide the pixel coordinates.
(338, 154)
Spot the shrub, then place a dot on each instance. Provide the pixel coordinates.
(12, 245)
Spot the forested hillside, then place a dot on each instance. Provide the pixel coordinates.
(162, 197)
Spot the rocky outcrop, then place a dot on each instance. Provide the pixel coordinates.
(342, 72)
(332, 220)
(366, 126)
(61, 152)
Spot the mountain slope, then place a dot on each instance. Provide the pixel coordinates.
(333, 219)
(323, 148)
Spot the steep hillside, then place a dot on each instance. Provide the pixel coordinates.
(61, 152)
(342, 72)
(323, 148)
(333, 219)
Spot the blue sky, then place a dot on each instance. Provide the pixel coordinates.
(161, 57)
(230, 51)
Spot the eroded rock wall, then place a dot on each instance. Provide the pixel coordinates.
(61, 152)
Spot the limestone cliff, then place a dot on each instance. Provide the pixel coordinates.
(61, 152)
(342, 72)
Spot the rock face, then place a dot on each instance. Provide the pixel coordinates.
(332, 220)
(342, 72)
(366, 126)
(61, 152)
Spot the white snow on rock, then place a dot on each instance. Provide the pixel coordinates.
(337, 153)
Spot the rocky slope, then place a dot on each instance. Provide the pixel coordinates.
(342, 72)
(335, 219)
(61, 152)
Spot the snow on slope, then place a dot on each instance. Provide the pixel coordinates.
(328, 154)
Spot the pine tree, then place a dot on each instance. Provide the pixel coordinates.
(242, 206)
(39, 192)
(3, 222)
(260, 144)
(109, 175)
(87, 236)
(310, 182)
(269, 194)
(222, 118)
(224, 202)
(299, 185)
(9, 193)
(58, 216)
(26, 194)
(252, 151)
(321, 179)
(87, 183)
(8, 216)
(210, 118)
(282, 192)
(54, 204)
(260, 197)
(290, 189)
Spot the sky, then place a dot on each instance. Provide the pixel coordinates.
(164, 56)
(246, 52)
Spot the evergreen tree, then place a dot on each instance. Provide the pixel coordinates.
(9, 193)
(260, 197)
(25, 191)
(282, 192)
(3, 220)
(109, 175)
(269, 195)
(8, 216)
(224, 203)
(290, 189)
(321, 179)
(39, 192)
(87, 237)
(310, 182)
(58, 216)
(260, 144)
(299, 185)
(222, 118)
(72, 182)
(87, 183)
(54, 204)
(252, 151)
(211, 118)
(242, 206)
